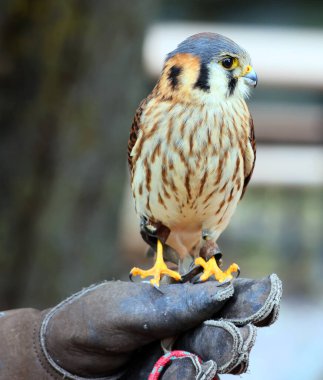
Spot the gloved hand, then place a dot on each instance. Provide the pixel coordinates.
(114, 330)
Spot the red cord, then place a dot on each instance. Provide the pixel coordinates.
(166, 360)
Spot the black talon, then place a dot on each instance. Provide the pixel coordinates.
(190, 276)
(223, 283)
(158, 289)
(218, 257)
(197, 280)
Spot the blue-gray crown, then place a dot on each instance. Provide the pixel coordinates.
(207, 46)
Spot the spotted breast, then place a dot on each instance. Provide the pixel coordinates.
(188, 166)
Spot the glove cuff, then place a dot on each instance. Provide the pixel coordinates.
(43, 336)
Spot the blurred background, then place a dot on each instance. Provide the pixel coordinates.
(71, 76)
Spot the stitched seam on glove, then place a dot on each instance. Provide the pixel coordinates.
(237, 343)
(248, 344)
(226, 293)
(40, 357)
(271, 305)
(250, 341)
(42, 336)
(210, 371)
(245, 349)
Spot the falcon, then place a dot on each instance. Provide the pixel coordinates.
(191, 153)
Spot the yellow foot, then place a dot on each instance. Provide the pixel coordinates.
(211, 268)
(158, 270)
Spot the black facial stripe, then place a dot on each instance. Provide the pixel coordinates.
(232, 85)
(203, 79)
(173, 74)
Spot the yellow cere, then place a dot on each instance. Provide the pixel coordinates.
(247, 70)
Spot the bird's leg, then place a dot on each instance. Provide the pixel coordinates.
(210, 263)
(158, 270)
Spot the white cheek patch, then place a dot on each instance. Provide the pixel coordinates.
(219, 87)
(218, 81)
(242, 89)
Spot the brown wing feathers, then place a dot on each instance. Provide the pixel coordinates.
(252, 142)
(134, 131)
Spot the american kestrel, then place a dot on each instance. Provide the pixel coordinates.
(192, 152)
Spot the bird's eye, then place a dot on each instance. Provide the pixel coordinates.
(229, 63)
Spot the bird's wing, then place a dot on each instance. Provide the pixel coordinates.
(250, 157)
(134, 131)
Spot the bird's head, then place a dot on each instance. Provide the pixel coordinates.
(207, 67)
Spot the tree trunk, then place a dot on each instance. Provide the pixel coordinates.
(71, 78)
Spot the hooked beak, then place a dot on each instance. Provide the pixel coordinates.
(250, 76)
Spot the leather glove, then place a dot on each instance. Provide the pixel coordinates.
(223, 342)
(113, 330)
